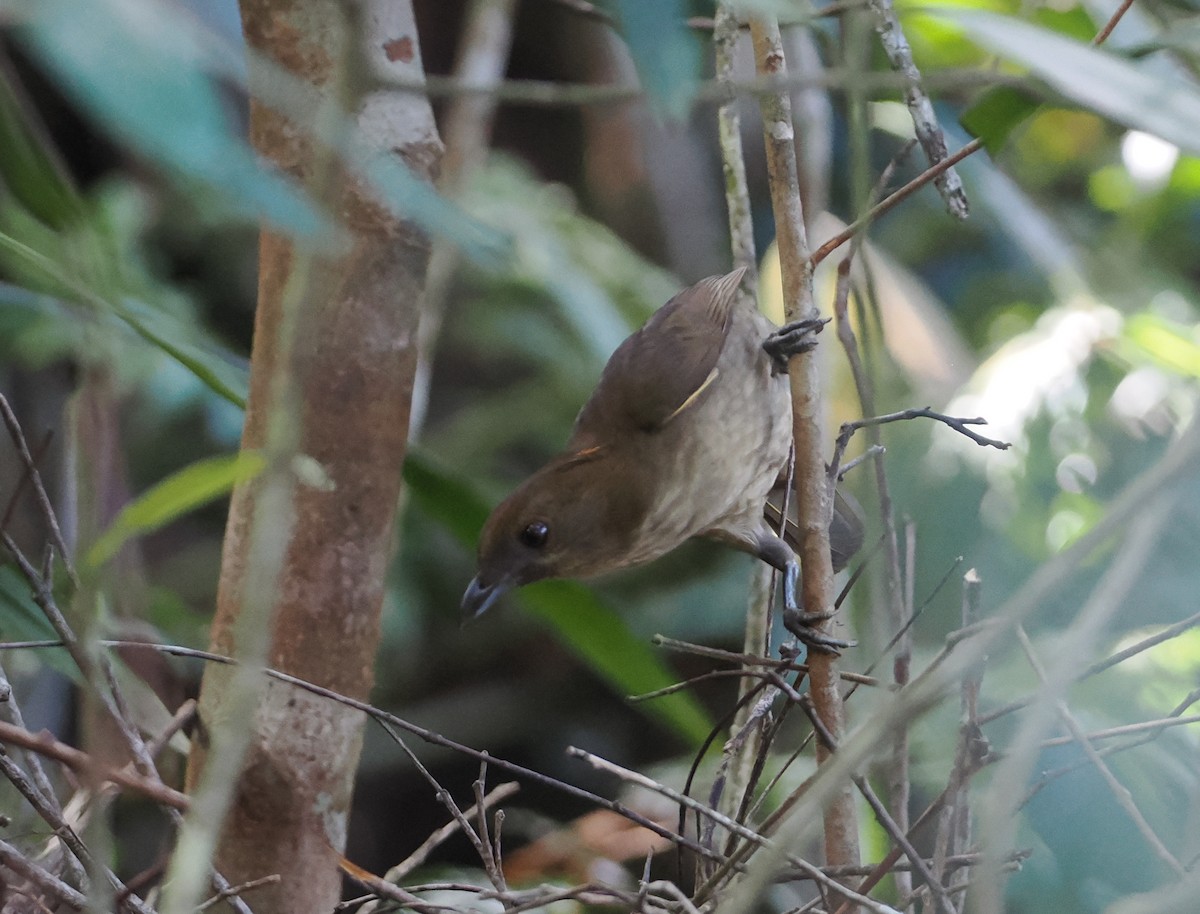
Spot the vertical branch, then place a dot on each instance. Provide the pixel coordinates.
(331, 376)
(898, 771)
(741, 240)
(482, 60)
(925, 122)
(813, 493)
(733, 162)
(972, 744)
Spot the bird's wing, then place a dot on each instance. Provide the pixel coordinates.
(667, 366)
(846, 529)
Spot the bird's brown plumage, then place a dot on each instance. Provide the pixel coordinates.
(685, 435)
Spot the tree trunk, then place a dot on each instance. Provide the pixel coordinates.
(350, 362)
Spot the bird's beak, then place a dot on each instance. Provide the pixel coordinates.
(479, 596)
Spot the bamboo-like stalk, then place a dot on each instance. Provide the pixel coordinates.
(812, 490)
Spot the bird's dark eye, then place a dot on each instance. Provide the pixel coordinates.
(534, 536)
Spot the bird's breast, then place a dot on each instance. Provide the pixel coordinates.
(716, 461)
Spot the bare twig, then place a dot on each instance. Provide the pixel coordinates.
(1171, 631)
(960, 425)
(421, 854)
(889, 825)
(35, 478)
(925, 122)
(814, 495)
(703, 650)
(742, 831)
(80, 762)
(740, 753)
(1102, 35)
(1120, 793)
(1152, 726)
(231, 891)
(14, 860)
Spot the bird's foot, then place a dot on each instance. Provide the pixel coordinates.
(793, 339)
(802, 625)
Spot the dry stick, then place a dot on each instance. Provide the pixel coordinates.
(889, 825)
(956, 862)
(925, 122)
(546, 94)
(975, 746)
(746, 744)
(897, 610)
(14, 860)
(702, 650)
(959, 424)
(898, 786)
(491, 861)
(421, 854)
(41, 587)
(35, 478)
(83, 764)
(892, 200)
(1116, 17)
(934, 171)
(813, 493)
(1119, 791)
(383, 717)
(226, 894)
(1155, 726)
(742, 831)
(65, 833)
(954, 825)
(467, 127)
(444, 797)
(1171, 631)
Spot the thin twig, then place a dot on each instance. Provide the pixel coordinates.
(960, 425)
(14, 860)
(227, 893)
(742, 831)
(1119, 791)
(35, 477)
(1171, 631)
(925, 123)
(1102, 35)
(889, 825)
(892, 200)
(703, 650)
(83, 764)
(402, 869)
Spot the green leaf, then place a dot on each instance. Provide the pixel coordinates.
(997, 113)
(217, 370)
(1169, 344)
(582, 622)
(1091, 77)
(179, 493)
(29, 170)
(665, 52)
(136, 71)
(23, 620)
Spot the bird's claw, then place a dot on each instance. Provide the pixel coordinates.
(801, 624)
(793, 339)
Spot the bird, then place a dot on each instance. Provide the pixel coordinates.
(687, 434)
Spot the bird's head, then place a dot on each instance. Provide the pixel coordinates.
(571, 519)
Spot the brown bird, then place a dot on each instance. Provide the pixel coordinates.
(686, 434)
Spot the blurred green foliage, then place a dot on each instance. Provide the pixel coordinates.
(1074, 287)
